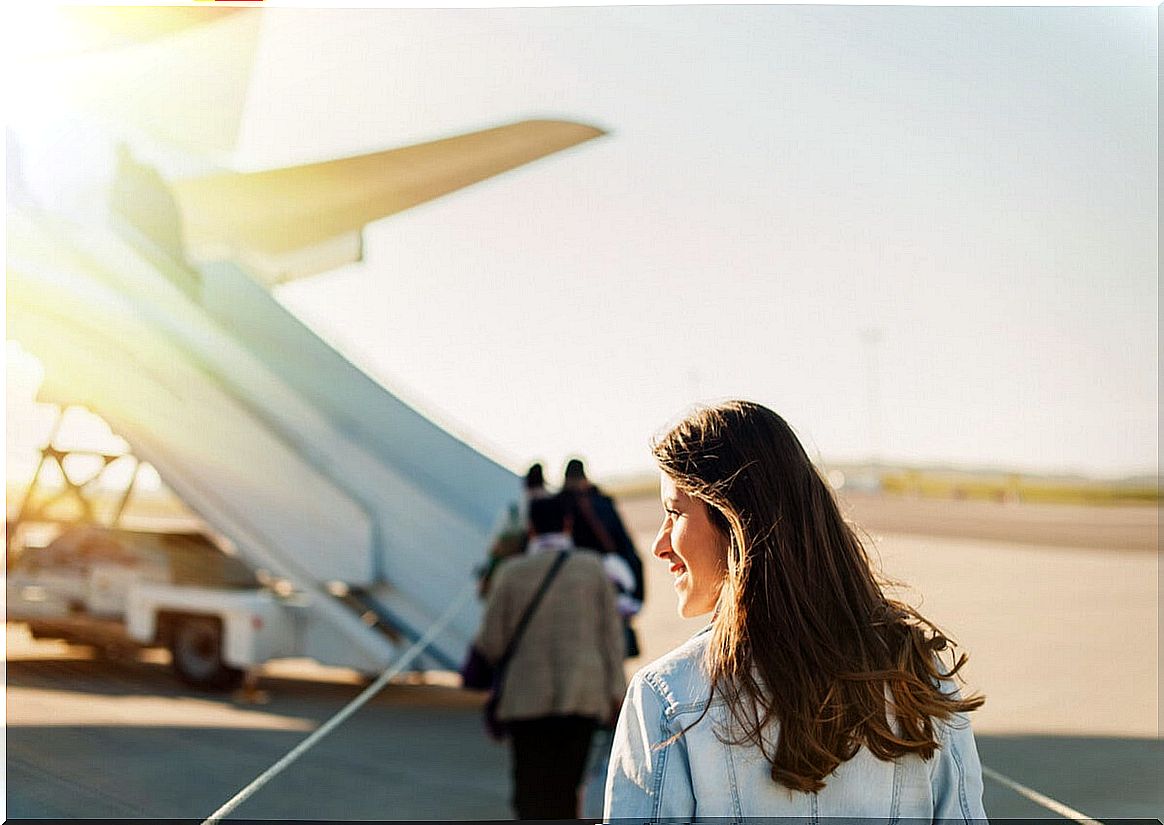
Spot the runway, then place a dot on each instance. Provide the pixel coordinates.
(1063, 640)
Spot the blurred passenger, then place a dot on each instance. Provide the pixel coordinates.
(565, 675)
(510, 541)
(831, 698)
(597, 525)
(513, 536)
(533, 487)
(535, 482)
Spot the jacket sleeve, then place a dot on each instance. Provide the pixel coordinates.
(956, 775)
(646, 783)
(613, 639)
(491, 636)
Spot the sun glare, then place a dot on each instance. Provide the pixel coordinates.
(30, 424)
(35, 31)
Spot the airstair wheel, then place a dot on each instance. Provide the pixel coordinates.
(196, 651)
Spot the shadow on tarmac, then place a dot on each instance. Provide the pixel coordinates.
(414, 752)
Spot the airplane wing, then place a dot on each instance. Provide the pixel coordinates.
(179, 77)
(290, 223)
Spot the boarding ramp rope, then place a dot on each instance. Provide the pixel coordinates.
(406, 659)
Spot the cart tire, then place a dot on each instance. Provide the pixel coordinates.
(196, 654)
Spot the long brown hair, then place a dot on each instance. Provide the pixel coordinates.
(803, 634)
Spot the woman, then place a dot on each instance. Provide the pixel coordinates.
(811, 693)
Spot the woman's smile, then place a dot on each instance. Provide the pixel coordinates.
(693, 548)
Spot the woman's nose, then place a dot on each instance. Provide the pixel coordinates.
(662, 544)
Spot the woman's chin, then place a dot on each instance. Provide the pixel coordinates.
(687, 610)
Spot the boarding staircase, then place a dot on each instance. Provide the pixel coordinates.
(312, 469)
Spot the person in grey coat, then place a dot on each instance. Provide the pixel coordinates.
(566, 675)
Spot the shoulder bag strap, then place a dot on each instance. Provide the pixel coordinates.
(521, 625)
(586, 509)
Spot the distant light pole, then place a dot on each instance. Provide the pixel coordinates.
(694, 383)
(871, 338)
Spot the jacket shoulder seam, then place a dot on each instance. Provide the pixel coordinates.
(661, 690)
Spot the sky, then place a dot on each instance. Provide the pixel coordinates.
(925, 235)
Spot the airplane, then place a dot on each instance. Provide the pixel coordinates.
(145, 292)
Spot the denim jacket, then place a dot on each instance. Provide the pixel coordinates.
(697, 776)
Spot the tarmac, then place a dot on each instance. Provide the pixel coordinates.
(1064, 642)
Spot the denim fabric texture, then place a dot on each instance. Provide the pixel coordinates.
(700, 777)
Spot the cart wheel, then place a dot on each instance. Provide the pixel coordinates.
(196, 654)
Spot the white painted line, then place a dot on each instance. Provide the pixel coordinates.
(1047, 802)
